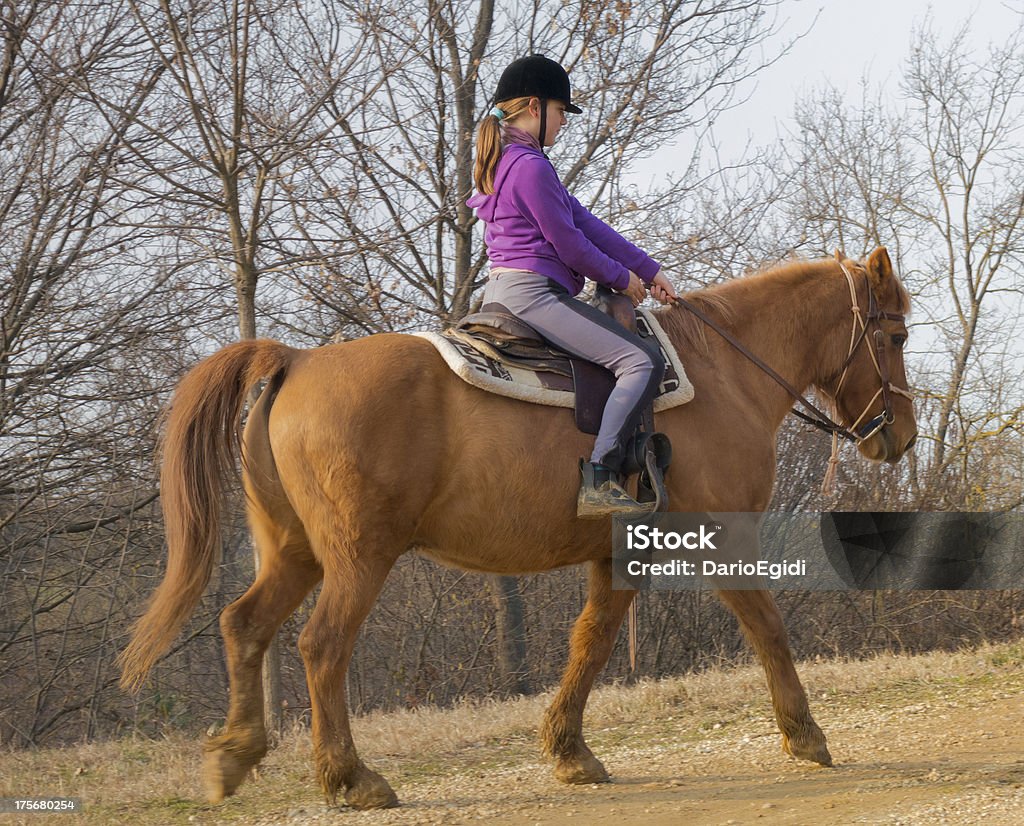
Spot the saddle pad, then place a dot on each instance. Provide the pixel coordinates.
(542, 387)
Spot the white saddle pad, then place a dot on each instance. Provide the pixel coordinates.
(480, 370)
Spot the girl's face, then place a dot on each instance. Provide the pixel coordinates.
(529, 120)
(556, 120)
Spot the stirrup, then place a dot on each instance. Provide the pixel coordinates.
(602, 495)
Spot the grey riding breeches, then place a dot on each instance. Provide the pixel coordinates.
(584, 331)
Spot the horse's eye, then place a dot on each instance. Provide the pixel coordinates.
(899, 340)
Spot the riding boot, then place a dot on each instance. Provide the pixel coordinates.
(602, 494)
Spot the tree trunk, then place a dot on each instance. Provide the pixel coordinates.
(465, 77)
(508, 601)
(511, 627)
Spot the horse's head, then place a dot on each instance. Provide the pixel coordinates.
(870, 390)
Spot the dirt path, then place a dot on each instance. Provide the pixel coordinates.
(932, 740)
(956, 763)
(959, 761)
(948, 754)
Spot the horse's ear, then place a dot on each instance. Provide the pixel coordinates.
(840, 255)
(879, 268)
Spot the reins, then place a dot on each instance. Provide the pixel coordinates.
(817, 418)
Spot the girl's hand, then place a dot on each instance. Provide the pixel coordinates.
(636, 290)
(662, 289)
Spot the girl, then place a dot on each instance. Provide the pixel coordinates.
(543, 244)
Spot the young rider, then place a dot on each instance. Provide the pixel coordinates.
(542, 244)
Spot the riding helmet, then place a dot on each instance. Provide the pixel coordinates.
(536, 76)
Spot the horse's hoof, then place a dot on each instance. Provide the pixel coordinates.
(810, 747)
(578, 771)
(370, 791)
(223, 772)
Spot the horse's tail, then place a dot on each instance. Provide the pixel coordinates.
(201, 441)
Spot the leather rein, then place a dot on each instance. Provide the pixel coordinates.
(816, 416)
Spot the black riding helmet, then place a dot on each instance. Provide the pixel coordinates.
(536, 76)
(540, 77)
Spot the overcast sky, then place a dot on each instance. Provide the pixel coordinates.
(851, 40)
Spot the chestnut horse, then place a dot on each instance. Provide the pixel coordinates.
(358, 452)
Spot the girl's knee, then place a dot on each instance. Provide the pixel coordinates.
(649, 362)
(639, 363)
(655, 358)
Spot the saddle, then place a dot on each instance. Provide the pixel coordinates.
(499, 335)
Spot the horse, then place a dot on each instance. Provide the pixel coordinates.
(358, 452)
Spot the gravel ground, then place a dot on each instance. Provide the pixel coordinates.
(957, 758)
(918, 741)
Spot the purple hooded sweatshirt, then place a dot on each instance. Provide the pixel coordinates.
(533, 223)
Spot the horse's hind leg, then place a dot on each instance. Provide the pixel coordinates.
(590, 645)
(352, 580)
(762, 625)
(287, 573)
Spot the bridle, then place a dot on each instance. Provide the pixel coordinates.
(858, 334)
(886, 389)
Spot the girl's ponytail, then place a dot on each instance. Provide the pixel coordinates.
(488, 153)
(488, 142)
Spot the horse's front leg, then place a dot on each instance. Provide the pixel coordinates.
(590, 645)
(762, 625)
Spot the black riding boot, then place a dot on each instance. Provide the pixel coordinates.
(602, 494)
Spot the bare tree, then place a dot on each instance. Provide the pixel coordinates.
(240, 99)
(970, 113)
(89, 330)
(939, 182)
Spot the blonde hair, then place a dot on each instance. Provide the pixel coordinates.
(488, 142)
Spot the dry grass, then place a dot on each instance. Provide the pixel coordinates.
(156, 781)
(411, 733)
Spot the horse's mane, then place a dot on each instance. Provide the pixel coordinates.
(681, 324)
(719, 300)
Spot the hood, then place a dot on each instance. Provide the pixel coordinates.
(485, 205)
